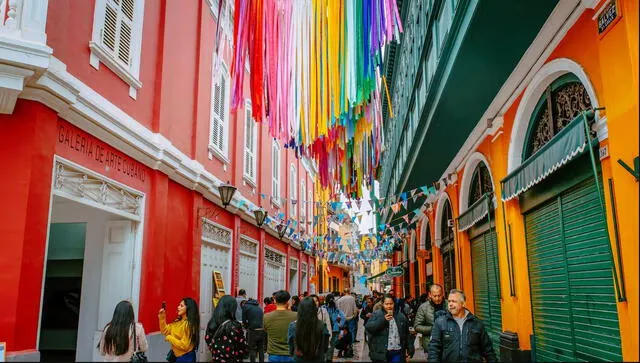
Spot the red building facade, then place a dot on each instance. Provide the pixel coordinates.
(117, 131)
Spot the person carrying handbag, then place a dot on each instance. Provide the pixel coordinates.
(123, 340)
(224, 336)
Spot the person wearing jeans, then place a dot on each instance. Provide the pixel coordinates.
(347, 304)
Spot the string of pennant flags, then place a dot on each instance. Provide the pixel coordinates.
(396, 203)
(387, 235)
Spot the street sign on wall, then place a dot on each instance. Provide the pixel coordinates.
(395, 271)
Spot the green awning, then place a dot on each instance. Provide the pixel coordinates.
(475, 213)
(565, 146)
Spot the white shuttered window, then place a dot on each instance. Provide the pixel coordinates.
(275, 172)
(117, 29)
(250, 144)
(116, 39)
(219, 112)
(293, 191)
(303, 202)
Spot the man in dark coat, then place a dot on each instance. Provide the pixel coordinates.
(252, 317)
(389, 337)
(459, 336)
(428, 312)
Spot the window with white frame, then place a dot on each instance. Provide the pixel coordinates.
(220, 92)
(250, 144)
(116, 39)
(311, 202)
(226, 8)
(293, 190)
(275, 172)
(303, 202)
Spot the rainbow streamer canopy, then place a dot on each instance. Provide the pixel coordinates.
(315, 79)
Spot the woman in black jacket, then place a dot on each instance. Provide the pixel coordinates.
(389, 337)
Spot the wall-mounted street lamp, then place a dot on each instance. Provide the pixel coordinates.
(226, 191)
(260, 215)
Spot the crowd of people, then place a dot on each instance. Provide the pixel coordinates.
(310, 328)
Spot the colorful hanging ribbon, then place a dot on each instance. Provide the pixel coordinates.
(315, 68)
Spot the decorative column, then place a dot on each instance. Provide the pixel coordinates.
(235, 256)
(261, 261)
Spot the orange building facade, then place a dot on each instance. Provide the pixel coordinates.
(543, 241)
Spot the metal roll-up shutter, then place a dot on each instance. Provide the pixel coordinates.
(486, 294)
(572, 294)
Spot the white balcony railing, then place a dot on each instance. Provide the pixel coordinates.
(24, 19)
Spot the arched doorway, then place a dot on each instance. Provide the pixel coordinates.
(447, 248)
(425, 244)
(570, 270)
(478, 220)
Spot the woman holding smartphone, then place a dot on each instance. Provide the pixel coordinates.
(184, 333)
(389, 339)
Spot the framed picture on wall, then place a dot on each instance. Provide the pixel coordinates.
(218, 283)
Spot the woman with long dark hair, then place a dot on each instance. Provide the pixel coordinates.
(224, 336)
(184, 333)
(117, 341)
(308, 337)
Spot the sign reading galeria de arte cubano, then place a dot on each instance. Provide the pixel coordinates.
(87, 150)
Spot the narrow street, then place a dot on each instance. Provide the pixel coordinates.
(170, 164)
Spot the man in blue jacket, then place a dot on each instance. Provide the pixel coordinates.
(459, 336)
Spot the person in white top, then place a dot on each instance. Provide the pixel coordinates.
(323, 315)
(347, 304)
(117, 340)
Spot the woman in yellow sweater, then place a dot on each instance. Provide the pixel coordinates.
(184, 333)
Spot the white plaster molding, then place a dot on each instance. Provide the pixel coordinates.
(12, 81)
(248, 246)
(80, 105)
(33, 21)
(87, 187)
(467, 176)
(293, 263)
(542, 79)
(424, 222)
(412, 246)
(442, 197)
(217, 234)
(592, 4)
(274, 256)
(98, 54)
(24, 19)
